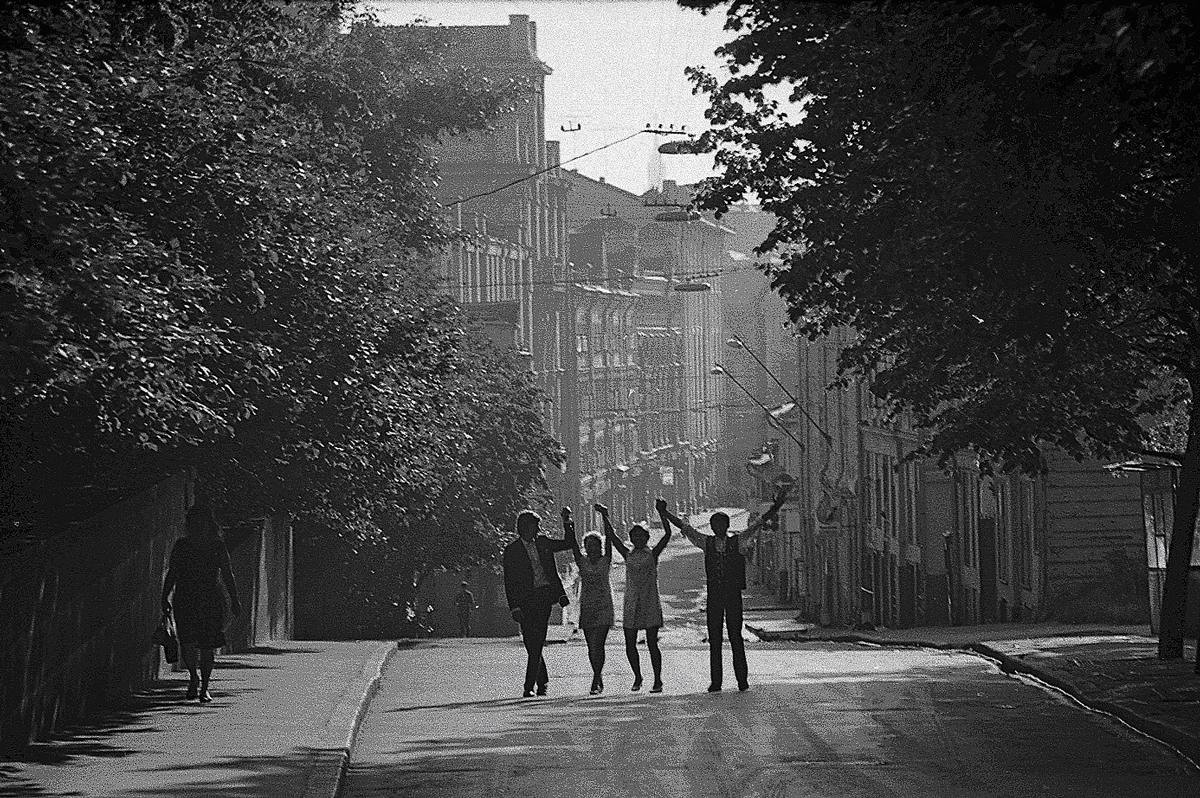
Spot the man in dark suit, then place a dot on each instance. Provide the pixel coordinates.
(532, 585)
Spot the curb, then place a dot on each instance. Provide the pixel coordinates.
(1186, 745)
(331, 749)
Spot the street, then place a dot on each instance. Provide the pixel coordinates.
(819, 720)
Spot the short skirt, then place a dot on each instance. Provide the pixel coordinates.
(200, 624)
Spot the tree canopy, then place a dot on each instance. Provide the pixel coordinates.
(998, 200)
(219, 230)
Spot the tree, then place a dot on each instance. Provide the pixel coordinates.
(455, 510)
(219, 225)
(997, 199)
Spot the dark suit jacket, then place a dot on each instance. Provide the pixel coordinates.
(518, 571)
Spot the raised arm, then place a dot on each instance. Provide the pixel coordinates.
(610, 534)
(669, 518)
(661, 545)
(569, 532)
(753, 530)
(568, 541)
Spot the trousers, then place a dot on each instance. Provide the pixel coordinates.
(725, 610)
(535, 618)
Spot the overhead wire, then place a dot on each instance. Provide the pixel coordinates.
(540, 172)
(582, 281)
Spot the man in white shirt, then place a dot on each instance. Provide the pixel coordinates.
(725, 571)
(532, 586)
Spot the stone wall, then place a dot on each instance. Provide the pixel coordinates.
(80, 605)
(79, 608)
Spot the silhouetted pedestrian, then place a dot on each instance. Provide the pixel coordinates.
(464, 602)
(199, 564)
(532, 585)
(725, 572)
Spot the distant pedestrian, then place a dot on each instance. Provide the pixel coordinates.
(533, 586)
(595, 596)
(725, 571)
(199, 564)
(464, 602)
(643, 608)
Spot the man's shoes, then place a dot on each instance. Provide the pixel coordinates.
(527, 694)
(743, 686)
(542, 689)
(193, 690)
(714, 688)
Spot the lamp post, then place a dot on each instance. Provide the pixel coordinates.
(735, 342)
(719, 369)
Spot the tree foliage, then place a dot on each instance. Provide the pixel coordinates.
(998, 200)
(218, 235)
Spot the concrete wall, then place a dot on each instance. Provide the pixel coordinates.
(261, 554)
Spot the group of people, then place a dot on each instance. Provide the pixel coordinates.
(533, 586)
(200, 566)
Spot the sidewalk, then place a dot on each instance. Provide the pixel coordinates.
(1113, 669)
(281, 725)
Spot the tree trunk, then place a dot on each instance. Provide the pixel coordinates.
(1179, 556)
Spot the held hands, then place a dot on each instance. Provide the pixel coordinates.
(166, 607)
(566, 515)
(660, 505)
(600, 508)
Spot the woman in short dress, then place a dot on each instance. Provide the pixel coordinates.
(595, 596)
(643, 609)
(199, 564)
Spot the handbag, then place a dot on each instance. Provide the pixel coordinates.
(164, 636)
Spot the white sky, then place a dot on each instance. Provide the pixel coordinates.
(618, 64)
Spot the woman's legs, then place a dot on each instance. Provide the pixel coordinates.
(634, 661)
(206, 668)
(655, 657)
(596, 637)
(188, 653)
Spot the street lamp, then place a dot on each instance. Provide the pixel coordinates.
(736, 342)
(678, 216)
(719, 369)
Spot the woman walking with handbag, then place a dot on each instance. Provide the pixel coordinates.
(199, 564)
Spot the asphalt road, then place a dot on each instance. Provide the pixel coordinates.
(820, 720)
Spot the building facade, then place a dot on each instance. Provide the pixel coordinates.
(872, 536)
(512, 263)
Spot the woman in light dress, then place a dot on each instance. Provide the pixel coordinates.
(643, 609)
(595, 596)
